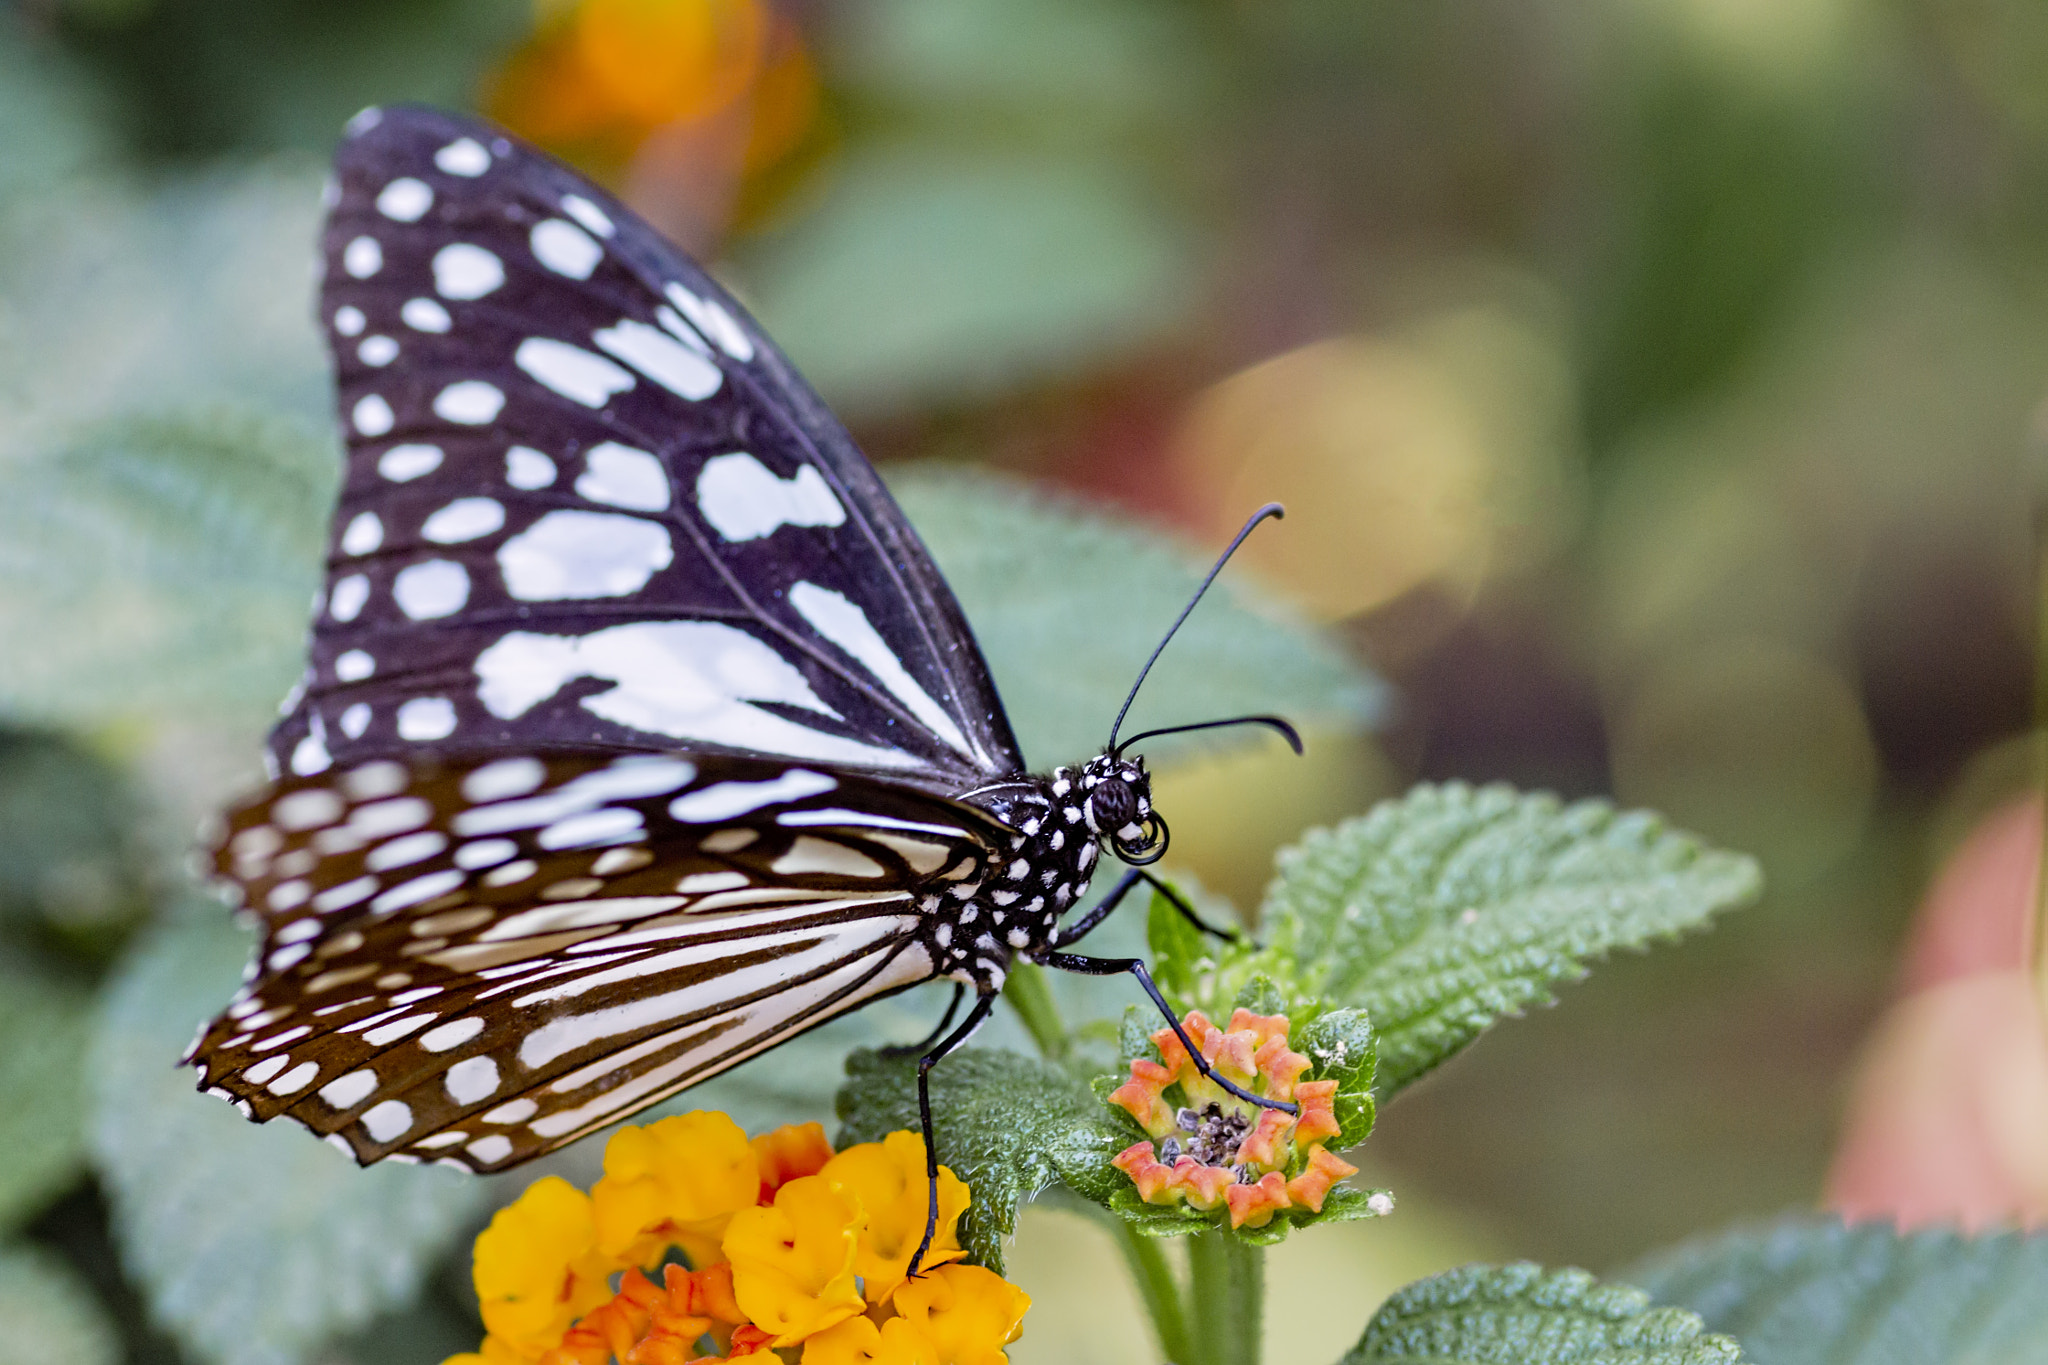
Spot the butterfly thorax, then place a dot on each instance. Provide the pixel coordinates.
(1012, 905)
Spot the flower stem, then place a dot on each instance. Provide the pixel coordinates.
(1031, 997)
(1226, 1292)
(1159, 1288)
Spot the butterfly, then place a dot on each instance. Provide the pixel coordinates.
(639, 732)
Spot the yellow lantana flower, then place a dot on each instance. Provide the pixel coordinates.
(967, 1313)
(784, 1236)
(677, 1182)
(538, 1268)
(793, 1262)
(888, 1179)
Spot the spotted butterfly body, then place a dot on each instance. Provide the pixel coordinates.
(639, 732)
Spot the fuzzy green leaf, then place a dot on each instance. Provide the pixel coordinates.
(1007, 1125)
(937, 272)
(252, 1245)
(1522, 1314)
(1068, 603)
(162, 565)
(1441, 911)
(1808, 1290)
(43, 1030)
(48, 1316)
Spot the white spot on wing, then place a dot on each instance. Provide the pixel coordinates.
(661, 358)
(527, 468)
(362, 257)
(464, 157)
(464, 519)
(295, 1080)
(491, 1148)
(346, 602)
(710, 318)
(744, 500)
(624, 477)
(823, 855)
(612, 825)
(355, 720)
(686, 679)
(451, 1035)
(354, 666)
(372, 415)
(588, 214)
(725, 800)
(377, 351)
(349, 321)
(346, 1092)
(846, 625)
(506, 777)
(403, 464)
(425, 315)
(571, 371)
(429, 591)
(426, 718)
(405, 200)
(578, 555)
(388, 1120)
(471, 1080)
(565, 248)
(470, 402)
(463, 270)
(363, 534)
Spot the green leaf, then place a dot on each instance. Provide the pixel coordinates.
(43, 1030)
(1007, 1125)
(49, 1313)
(1068, 603)
(1441, 911)
(1522, 1314)
(1809, 1290)
(252, 1244)
(935, 272)
(1341, 1047)
(162, 565)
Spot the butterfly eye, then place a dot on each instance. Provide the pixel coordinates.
(1112, 805)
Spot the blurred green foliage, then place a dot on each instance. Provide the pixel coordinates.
(1785, 264)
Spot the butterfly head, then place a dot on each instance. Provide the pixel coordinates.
(1119, 808)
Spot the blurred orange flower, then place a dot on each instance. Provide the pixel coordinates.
(598, 78)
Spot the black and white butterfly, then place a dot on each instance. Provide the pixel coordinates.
(639, 732)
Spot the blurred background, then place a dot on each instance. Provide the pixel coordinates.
(1653, 386)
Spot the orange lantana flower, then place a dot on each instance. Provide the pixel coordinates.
(1211, 1150)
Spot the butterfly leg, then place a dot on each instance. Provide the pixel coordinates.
(896, 1051)
(1072, 933)
(982, 1005)
(1111, 966)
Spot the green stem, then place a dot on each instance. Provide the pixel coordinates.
(1031, 997)
(1159, 1288)
(1226, 1292)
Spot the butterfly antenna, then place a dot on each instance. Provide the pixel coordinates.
(1271, 509)
(1276, 723)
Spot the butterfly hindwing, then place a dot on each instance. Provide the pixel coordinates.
(588, 504)
(517, 950)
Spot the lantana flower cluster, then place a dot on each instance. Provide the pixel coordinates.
(1212, 1151)
(794, 1254)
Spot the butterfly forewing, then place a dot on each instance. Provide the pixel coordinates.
(482, 961)
(588, 504)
